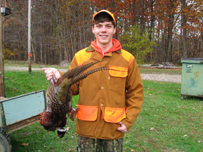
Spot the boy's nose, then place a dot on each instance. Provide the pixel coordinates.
(103, 28)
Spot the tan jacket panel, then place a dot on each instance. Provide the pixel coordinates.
(104, 89)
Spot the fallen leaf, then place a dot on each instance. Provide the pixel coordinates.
(151, 129)
(68, 128)
(71, 149)
(185, 136)
(25, 144)
(131, 150)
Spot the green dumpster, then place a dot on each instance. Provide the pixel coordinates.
(192, 77)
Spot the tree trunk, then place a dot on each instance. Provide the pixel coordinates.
(184, 31)
(45, 55)
(41, 49)
(152, 25)
(169, 52)
(61, 52)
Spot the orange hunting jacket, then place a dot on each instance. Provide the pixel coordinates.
(107, 97)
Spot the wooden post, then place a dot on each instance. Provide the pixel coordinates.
(29, 35)
(2, 89)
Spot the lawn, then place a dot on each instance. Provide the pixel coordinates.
(165, 123)
(21, 82)
(177, 71)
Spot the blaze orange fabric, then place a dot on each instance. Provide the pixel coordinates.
(87, 113)
(116, 46)
(114, 115)
(95, 14)
(118, 71)
(127, 56)
(81, 59)
(107, 96)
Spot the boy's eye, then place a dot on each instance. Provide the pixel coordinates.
(106, 26)
(98, 25)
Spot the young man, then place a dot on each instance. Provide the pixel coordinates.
(110, 100)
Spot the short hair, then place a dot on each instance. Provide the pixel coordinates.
(102, 17)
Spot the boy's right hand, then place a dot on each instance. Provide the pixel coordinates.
(51, 72)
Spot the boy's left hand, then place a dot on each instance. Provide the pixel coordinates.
(122, 127)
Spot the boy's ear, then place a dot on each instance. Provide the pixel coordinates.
(93, 29)
(114, 30)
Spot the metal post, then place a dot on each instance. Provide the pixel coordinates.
(2, 89)
(29, 35)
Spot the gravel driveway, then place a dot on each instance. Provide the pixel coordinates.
(162, 77)
(153, 77)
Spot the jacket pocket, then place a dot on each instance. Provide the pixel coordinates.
(114, 115)
(118, 78)
(87, 113)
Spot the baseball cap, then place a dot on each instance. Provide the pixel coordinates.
(106, 11)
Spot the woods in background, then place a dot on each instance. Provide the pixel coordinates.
(60, 28)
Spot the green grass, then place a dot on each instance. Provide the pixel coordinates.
(40, 140)
(165, 123)
(21, 82)
(175, 125)
(160, 71)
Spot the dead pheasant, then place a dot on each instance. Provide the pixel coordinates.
(59, 98)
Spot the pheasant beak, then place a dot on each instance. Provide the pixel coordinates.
(61, 132)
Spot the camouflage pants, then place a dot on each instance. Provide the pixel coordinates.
(99, 145)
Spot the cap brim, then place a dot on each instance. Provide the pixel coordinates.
(105, 11)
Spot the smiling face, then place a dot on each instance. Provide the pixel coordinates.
(104, 32)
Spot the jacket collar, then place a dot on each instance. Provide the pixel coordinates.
(90, 49)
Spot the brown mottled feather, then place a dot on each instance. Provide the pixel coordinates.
(59, 97)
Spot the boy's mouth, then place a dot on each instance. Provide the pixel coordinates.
(104, 36)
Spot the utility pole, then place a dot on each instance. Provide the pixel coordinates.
(2, 90)
(29, 35)
(3, 12)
